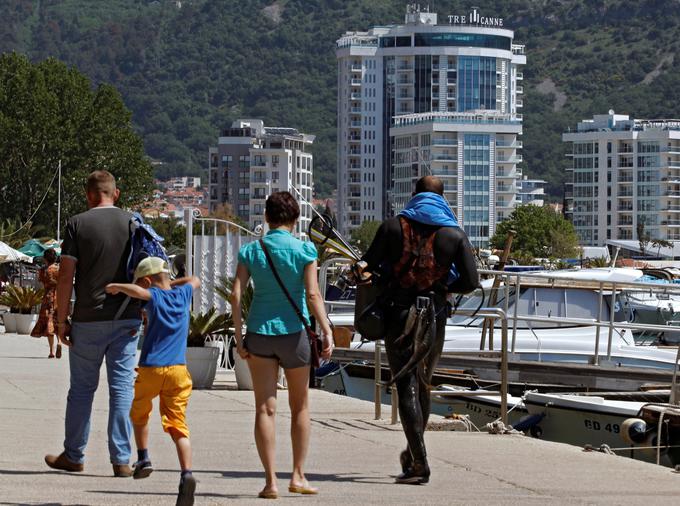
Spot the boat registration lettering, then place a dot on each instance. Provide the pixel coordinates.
(488, 412)
(595, 425)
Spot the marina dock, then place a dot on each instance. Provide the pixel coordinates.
(353, 458)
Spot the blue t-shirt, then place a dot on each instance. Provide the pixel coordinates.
(270, 312)
(165, 341)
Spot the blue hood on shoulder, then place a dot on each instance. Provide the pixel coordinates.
(430, 209)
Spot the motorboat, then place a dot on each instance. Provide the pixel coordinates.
(543, 311)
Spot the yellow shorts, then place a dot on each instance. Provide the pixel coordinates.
(173, 385)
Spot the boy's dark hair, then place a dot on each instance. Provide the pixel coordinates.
(281, 208)
(429, 184)
(101, 182)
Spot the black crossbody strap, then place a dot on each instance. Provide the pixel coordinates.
(283, 287)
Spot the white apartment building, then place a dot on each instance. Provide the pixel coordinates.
(429, 98)
(252, 161)
(623, 172)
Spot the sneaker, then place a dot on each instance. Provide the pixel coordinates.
(143, 469)
(63, 464)
(187, 487)
(122, 470)
(415, 475)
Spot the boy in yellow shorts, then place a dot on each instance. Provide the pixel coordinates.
(162, 365)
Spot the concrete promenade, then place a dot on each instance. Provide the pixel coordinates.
(352, 459)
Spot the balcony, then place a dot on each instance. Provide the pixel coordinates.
(354, 138)
(405, 82)
(625, 208)
(355, 152)
(355, 96)
(512, 159)
(354, 167)
(355, 110)
(405, 67)
(519, 90)
(355, 82)
(444, 142)
(507, 145)
(519, 103)
(355, 124)
(258, 179)
(444, 158)
(445, 173)
(507, 174)
(355, 68)
(502, 188)
(519, 76)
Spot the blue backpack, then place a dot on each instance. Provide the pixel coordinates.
(144, 242)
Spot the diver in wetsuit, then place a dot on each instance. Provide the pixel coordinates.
(430, 254)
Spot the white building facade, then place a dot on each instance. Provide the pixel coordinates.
(427, 98)
(624, 172)
(252, 161)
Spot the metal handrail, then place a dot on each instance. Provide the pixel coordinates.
(610, 288)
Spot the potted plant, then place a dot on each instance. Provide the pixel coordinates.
(241, 370)
(202, 359)
(9, 298)
(22, 302)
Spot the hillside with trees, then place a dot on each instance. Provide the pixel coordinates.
(187, 68)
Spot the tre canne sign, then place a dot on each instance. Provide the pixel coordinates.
(474, 18)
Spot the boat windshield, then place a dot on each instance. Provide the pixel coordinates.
(542, 302)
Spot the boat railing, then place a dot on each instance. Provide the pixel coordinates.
(508, 344)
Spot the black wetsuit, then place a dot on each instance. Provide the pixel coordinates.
(451, 245)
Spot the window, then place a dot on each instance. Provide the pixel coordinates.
(275, 175)
(244, 161)
(226, 159)
(275, 160)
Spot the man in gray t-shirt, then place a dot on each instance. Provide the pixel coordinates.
(95, 249)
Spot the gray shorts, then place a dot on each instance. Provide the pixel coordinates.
(291, 350)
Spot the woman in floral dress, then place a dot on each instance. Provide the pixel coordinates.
(48, 308)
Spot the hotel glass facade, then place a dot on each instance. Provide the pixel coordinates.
(424, 98)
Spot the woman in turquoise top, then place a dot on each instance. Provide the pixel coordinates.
(275, 335)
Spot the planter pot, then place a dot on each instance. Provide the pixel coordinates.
(220, 346)
(243, 379)
(25, 323)
(10, 322)
(202, 365)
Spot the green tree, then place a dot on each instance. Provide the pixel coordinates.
(643, 236)
(661, 243)
(50, 112)
(362, 237)
(173, 233)
(541, 232)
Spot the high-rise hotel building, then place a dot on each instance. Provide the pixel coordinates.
(430, 98)
(623, 172)
(252, 161)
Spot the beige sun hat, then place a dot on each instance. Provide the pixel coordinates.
(151, 266)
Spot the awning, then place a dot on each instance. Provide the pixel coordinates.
(8, 254)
